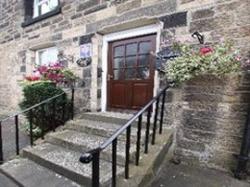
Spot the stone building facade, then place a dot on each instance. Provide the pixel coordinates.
(98, 22)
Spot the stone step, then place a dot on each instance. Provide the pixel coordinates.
(29, 174)
(66, 162)
(102, 129)
(82, 142)
(150, 163)
(110, 117)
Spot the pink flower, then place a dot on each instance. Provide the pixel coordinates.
(42, 69)
(205, 50)
(238, 58)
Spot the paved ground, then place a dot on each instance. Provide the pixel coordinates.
(9, 138)
(186, 176)
(6, 182)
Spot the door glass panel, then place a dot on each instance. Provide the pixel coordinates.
(131, 49)
(145, 47)
(118, 63)
(130, 73)
(143, 60)
(131, 61)
(143, 73)
(119, 51)
(118, 74)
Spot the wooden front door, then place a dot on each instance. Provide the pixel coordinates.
(131, 72)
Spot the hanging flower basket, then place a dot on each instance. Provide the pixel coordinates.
(220, 60)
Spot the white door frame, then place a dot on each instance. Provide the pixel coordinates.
(150, 29)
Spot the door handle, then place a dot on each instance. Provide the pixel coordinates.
(110, 77)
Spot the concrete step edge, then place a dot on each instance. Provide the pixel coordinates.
(86, 146)
(63, 168)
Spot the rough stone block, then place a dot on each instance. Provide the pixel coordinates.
(87, 4)
(174, 20)
(128, 6)
(204, 13)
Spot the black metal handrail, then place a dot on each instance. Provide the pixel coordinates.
(30, 110)
(94, 155)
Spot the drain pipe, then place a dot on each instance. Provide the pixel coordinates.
(243, 158)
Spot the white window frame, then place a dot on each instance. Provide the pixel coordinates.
(45, 49)
(37, 4)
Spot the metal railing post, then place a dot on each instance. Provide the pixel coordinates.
(17, 134)
(162, 111)
(1, 144)
(31, 127)
(54, 115)
(63, 107)
(155, 122)
(147, 130)
(72, 102)
(138, 142)
(43, 121)
(114, 162)
(96, 169)
(127, 152)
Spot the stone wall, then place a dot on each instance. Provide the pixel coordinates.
(209, 115)
(216, 19)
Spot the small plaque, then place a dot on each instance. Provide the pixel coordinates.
(86, 50)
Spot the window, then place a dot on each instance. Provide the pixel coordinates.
(37, 10)
(44, 6)
(46, 56)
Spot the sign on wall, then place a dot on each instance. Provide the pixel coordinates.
(85, 55)
(86, 50)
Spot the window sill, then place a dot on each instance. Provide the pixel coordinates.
(42, 17)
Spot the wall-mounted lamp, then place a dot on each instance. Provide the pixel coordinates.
(200, 37)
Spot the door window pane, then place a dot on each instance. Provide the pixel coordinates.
(143, 73)
(118, 74)
(130, 73)
(144, 60)
(131, 61)
(145, 47)
(119, 51)
(131, 49)
(118, 63)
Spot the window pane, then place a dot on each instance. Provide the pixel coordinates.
(131, 49)
(42, 57)
(44, 6)
(53, 4)
(143, 73)
(118, 63)
(130, 73)
(143, 60)
(119, 51)
(118, 74)
(131, 61)
(145, 47)
(47, 56)
(52, 55)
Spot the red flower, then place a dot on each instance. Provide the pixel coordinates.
(205, 50)
(32, 78)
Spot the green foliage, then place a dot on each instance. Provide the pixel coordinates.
(46, 115)
(219, 60)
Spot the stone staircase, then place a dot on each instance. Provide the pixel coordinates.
(55, 160)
